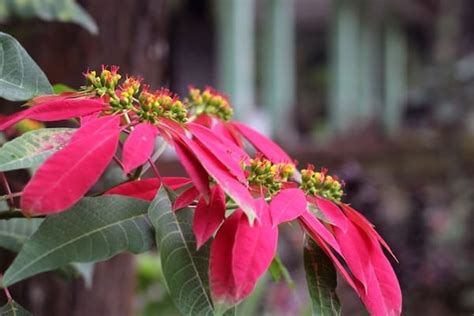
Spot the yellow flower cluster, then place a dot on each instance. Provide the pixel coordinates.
(209, 102)
(131, 95)
(264, 173)
(319, 183)
(161, 103)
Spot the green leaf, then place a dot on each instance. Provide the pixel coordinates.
(50, 10)
(277, 270)
(59, 88)
(184, 268)
(12, 308)
(20, 77)
(32, 148)
(94, 229)
(14, 232)
(322, 280)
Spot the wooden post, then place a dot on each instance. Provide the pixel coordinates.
(279, 63)
(236, 37)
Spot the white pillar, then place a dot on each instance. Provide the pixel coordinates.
(278, 58)
(344, 92)
(396, 52)
(236, 38)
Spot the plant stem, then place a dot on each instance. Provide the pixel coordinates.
(6, 186)
(119, 163)
(161, 149)
(153, 167)
(10, 196)
(127, 118)
(6, 291)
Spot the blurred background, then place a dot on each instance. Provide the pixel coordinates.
(379, 91)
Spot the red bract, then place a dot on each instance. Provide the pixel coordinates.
(287, 205)
(146, 189)
(318, 231)
(358, 244)
(56, 108)
(221, 278)
(264, 145)
(208, 216)
(235, 189)
(381, 292)
(141, 189)
(193, 167)
(185, 198)
(229, 132)
(139, 146)
(331, 212)
(248, 249)
(227, 152)
(68, 174)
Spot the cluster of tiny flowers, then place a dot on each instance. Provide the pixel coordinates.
(319, 183)
(209, 102)
(161, 103)
(104, 84)
(147, 105)
(264, 173)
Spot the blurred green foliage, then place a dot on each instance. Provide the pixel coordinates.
(151, 294)
(48, 10)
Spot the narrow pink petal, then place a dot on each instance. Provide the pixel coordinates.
(207, 218)
(212, 143)
(193, 167)
(314, 227)
(97, 126)
(331, 211)
(221, 281)
(381, 293)
(56, 110)
(228, 132)
(235, 189)
(364, 223)
(68, 174)
(350, 280)
(222, 148)
(384, 295)
(141, 189)
(175, 183)
(287, 205)
(263, 144)
(138, 146)
(87, 118)
(204, 120)
(253, 251)
(354, 250)
(185, 198)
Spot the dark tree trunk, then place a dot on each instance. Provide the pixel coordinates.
(133, 35)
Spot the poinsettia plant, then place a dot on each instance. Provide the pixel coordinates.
(216, 230)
